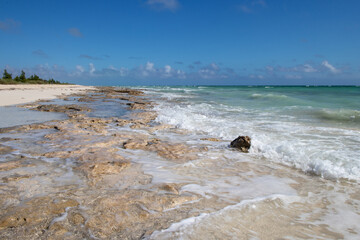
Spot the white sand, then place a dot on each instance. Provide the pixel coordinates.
(18, 94)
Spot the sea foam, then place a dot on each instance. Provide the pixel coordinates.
(329, 151)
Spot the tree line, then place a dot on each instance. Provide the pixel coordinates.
(34, 79)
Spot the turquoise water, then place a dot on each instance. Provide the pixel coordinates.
(332, 105)
(315, 129)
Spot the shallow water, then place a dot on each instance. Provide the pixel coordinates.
(316, 129)
(300, 171)
(14, 116)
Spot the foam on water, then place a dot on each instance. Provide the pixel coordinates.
(278, 134)
(222, 223)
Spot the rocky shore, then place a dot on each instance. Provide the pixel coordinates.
(74, 178)
(110, 170)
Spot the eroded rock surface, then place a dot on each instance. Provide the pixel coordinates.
(77, 180)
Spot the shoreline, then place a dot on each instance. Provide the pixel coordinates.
(26, 93)
(97, 175)
(88, 159)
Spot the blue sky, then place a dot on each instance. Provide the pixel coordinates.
(177, 42)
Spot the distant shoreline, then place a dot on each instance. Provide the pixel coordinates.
(25, 93)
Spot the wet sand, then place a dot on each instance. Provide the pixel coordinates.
(98, 176)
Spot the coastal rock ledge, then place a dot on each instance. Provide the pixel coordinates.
(241, 142)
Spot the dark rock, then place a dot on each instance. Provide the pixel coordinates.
(242, 142)
(111, 90)
(61, 108)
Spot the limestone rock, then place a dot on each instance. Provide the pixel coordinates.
(6, 166)
(211, 139)
(242, 142)
(61, 108)
(136, 144)
(5, 149)
(170, 187)
(108, 167)
(36, 211)
(76, 218)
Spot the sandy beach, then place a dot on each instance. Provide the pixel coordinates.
(18, 94)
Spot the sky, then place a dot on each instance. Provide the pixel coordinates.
(183, 42)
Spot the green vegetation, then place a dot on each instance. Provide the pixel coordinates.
(33, 79)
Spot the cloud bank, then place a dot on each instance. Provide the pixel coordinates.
(211, 73)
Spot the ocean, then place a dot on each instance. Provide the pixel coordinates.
(315, 129)
(303, 166)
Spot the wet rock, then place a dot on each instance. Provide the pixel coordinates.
(135, 144)
(8, 139)
(108, 167)
(144, 117)
(122, 122)
(15, 177)
(5, 149)
(97, 154)
(12, 221)
(6, 166)
(160, 127)
(61, 108)
(170, 187)
(111, 90)
(118, 200)
(177, 151)
(86, 99)
(211, 139)
(129, 213)
(242, 142)
(36, 211)
(139, 125)
(76, 218)
(8, 129)
(138, 105)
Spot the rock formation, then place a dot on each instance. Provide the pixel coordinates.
(241, 142)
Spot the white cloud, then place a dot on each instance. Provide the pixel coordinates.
(167, 69)
(214, 66)
(79, 71)
(149, 66)
(147, 71)
(92, 68)
(309, 69)
(164, 4)
(80, 68)
(330, 67)
(269, 68)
